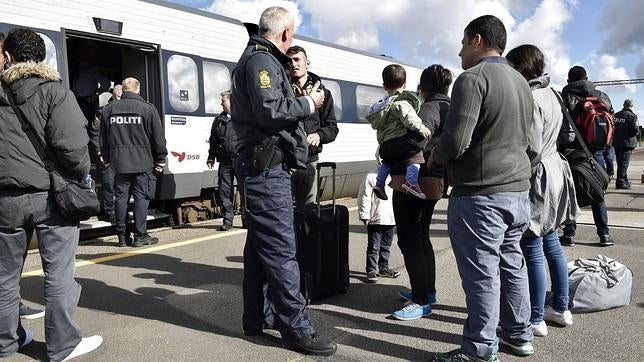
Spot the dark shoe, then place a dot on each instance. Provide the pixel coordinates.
(27, 312)
(26, 339)
(458, 356)
(389, 273)
(605, 240)
(124, 241)
(623, 187)
(517, 347)
(313, 345)
(371, 277)
(107, 218)
(380, 192)
(144, 240)
(413, 190)
(567, 240)
(225, 227)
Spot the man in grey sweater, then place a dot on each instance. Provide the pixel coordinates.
(483, 147)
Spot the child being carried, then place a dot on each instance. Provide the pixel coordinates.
(399, 131)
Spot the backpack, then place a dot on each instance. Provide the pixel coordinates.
(595, 122)
(598, 283)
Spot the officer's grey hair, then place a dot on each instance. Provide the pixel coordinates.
(226, 93)
(274, 20)
(628, 103)
(131, 85)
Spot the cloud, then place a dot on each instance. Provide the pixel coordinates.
(639, 70)
(426, 32)
(609, 69)
(250, 11)
(622, 21)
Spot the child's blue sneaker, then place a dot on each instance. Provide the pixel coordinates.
(405, 294)
(413, 311)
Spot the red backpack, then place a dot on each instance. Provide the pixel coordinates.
(595, 123)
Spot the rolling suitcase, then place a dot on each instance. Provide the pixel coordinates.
(322, 234)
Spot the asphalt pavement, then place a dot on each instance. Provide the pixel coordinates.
(181, 299)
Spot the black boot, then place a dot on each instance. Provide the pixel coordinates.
(605, 240)
(144, 240)
(124, 240)
(567, 240)
(313, 345)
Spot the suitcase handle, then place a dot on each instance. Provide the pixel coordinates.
(319, 166)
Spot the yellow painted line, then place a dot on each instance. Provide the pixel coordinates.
(149, 250)
(142, 251)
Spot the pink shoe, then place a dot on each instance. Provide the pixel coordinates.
(414, 190)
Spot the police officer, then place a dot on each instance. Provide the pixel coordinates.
(106, 173)
(222, 148)
(270, 139)
(134, 145)
(321, 127)
(625, 141)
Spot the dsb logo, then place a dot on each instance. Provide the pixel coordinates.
(183, 156)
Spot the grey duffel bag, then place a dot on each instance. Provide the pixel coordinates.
(598, 283)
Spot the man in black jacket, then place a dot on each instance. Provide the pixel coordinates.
(26, 201)
(321, 127)
(578, 88)
(222, 148)
(624, 141)
(134, 145)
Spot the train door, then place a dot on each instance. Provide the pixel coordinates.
(103, 59)
(95, 64)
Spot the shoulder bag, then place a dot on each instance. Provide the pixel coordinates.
(76, 200)
(590, 179)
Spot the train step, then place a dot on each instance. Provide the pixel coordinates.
(94, 223)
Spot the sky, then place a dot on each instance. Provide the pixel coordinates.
(605, 37)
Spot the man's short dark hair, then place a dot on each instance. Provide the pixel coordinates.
(528, 60)
(296, 49)
(435, 79)
(577, 73)
(491, 30)
(1, 37)
(394, 76)
(25, 45)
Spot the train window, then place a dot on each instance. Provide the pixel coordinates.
(50, 57)
(216, 79)
(334, 88)
(365, 97)
(183, 83)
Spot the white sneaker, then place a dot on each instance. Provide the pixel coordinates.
(29, 336)
(540, 329)
(551, 315)
(85, 346)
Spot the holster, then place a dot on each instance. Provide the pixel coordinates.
(267, 155)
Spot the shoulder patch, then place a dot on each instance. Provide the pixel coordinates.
(264, 79)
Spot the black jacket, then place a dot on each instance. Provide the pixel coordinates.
(433, 112)
(626, 129)
(322, 121)
(222, 139)
(572, 94)
(263, 103)
(57, 120)
(132, 137)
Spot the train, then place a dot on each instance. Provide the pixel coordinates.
(183, 58)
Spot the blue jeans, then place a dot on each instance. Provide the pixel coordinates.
(379, 239)
(607, 159)
(535, 251)
(485, 231)
(24, 213)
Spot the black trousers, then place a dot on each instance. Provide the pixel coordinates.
(623, 159)
(413, 217)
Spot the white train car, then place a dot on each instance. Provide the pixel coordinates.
(183, 58)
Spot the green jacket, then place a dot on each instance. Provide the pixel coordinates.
(392, 117)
